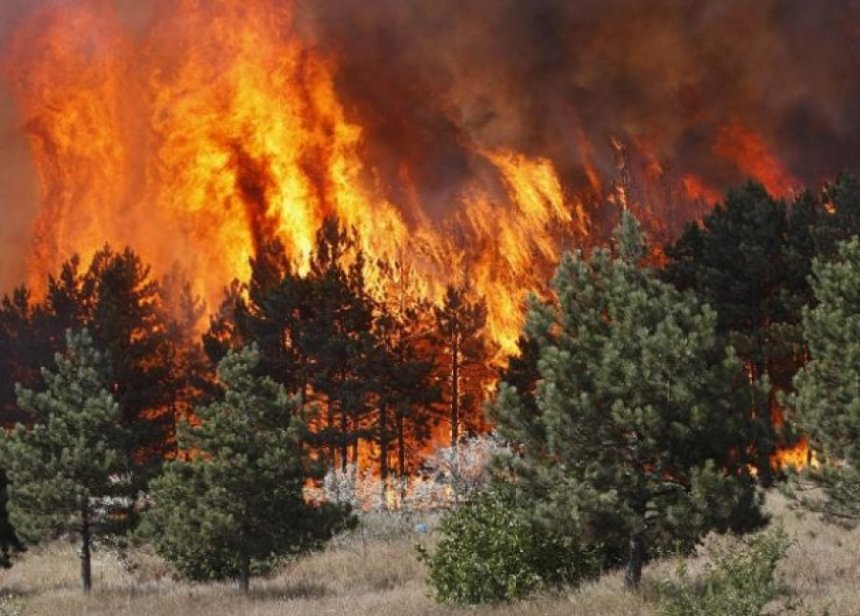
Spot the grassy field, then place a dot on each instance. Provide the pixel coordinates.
(374, 571)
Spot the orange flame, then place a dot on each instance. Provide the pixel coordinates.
(748, 150)
(218, 128)
(697, 190)
(796, 456)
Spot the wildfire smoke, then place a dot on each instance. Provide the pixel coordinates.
(477, 139)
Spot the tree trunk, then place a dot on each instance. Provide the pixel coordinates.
(401, 446)
(245, 573)
(330, 437)
(355, 436)
(401, 454)
(344, 446)
(633, 574)
(86, 560)
(383, 442)
(455, 391)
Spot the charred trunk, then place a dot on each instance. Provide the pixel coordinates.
(455, 391)
(332, 452)
(344, 445)
(383, 442)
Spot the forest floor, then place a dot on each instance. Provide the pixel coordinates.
(374, 571)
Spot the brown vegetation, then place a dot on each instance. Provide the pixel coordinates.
(374, 571)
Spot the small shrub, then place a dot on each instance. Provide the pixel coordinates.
(739, 582)
(491, 551)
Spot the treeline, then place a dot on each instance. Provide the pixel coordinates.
(647, 404)
(382, 367)
(117, 394)
(644, 407)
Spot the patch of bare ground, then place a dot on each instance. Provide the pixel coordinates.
(374, 571)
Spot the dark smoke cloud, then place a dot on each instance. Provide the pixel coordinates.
(435, 76)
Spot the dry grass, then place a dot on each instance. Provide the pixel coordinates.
(375, 572)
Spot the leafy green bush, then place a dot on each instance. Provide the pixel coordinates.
(491, 551)
(739, 582)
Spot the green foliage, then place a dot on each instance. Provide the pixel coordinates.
(232, 503)
(117, 300)
(123, 308)
(738, 582)
(750, 259)
(735, 260)
(71, 456)
(492, 550)
(641, 435)
(66, 470)
(827, 398)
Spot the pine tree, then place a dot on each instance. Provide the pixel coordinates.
(749, 261)
(642, 436)
(25, 346)
(126, 320)
(827, 398)
(225, 332)
(188, 376)
(401, 369)
(736, 262)
(66, 469)
(234, 504)
(278, 305)
(464, 357)
(337, 338)
(117, 300)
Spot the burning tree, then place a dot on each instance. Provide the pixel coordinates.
(638, 433)
(402, 371)
(460, 323)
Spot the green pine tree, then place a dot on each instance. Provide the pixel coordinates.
(639, 437)
(827, 398)
(749, 260)
(736, 262)
(66, 469)
(233, 503)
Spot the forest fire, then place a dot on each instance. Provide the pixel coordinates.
(194, 132)
(198, 132)
(235, 136)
